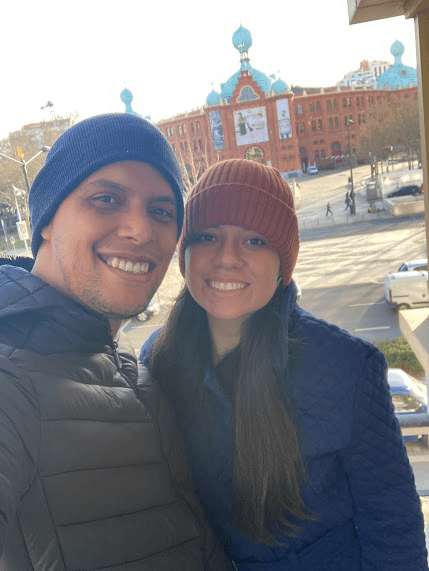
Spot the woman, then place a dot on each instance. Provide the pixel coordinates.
(287, 421)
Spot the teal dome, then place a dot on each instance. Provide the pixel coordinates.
(213, 97)
(127, 98)
(264, 82)
(399, 75)
(242, 39)
(279, 86)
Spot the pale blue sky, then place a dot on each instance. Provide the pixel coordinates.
(79, 54)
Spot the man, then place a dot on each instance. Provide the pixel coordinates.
(88, 480)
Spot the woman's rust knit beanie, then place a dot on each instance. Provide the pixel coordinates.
(244, 193)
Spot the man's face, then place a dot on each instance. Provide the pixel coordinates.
(111, 240)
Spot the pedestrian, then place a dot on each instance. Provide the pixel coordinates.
(90, 478)
(328, 210)
(348, 202)
(287, 421)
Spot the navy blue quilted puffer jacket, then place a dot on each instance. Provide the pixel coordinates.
(360, 481)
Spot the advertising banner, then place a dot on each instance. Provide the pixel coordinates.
(283, 117)
(251, 126)
(217, 130)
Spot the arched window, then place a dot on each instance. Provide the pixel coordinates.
(311, 108)
(323, 153)
(357, 101)
(316, 155)
(328, 105)
(336, 148)
(198, 126)
(334, 104)
(195, 146)
(336, 122)
(171, 130)
(331, 123)
(359, 119)
(317, 105)
(319, 125)
(344, 102)
(247, 94)
(200, 144)
(349, 102)
(299, 109)
(313, 126)
(302, 151)
(192, 127)
(184, 129)
(302, 127)
(179, 129)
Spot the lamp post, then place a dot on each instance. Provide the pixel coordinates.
(23, 164)
(352, 191)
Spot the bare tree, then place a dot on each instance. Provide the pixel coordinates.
(195, 157)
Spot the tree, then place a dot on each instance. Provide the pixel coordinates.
(30, 139)
(194, 157)
(392, 127)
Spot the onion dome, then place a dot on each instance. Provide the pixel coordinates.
(126, 98)
(399, 75)
(242, 40)
(213, 98)
(279, 86)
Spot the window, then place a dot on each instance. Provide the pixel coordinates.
(344, 102)
(302, 127)
(317, 105)
(186, 146)
(313, 126)
(311, 108)
(192, 128)
(179, 129)
(200, 144)
(319, 125)
(184, 129)
(357, 101)
(300, 109)
(334, 104)
(171, 130)
(247, 94)
(349, 102)
(316, 155)
(198, 126)
(323, 153)
(331, 123)
(336, 122)
(195, 146)
(181, 147)
(359, 119)
(329, 105)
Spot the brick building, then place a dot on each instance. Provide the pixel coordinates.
(261, 118)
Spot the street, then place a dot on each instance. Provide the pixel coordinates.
(359, 309)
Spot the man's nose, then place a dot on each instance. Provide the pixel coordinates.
(135, 225)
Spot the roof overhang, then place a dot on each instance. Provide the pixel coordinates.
(368, 10)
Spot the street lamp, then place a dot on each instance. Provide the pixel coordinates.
(352, 192)
(23, 164)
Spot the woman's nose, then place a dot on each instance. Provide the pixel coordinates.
(228, 254)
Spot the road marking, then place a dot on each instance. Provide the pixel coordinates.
(360, 304)
(373, 328)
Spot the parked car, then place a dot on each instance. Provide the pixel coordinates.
(414, 266)
(412, 190)
(151, 309)
(409, 396)
(312, 169)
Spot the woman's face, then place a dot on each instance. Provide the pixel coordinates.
(231, 272)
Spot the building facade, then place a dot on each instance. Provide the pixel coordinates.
(261, 118)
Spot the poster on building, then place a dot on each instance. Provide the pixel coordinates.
(217, 130)
(283, 117)
(251, 126)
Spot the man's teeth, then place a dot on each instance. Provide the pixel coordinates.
(227, 286)
(128, 266)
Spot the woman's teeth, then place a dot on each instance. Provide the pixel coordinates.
(227, 286)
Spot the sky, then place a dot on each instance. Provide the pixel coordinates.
(81, 54)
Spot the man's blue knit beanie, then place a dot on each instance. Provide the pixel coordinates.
(87, 147)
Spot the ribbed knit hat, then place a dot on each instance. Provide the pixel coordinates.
(87, 147)
(247, 194)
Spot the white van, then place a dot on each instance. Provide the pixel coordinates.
(404, 290)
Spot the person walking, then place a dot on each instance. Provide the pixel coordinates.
(91, 470)
(328, 210)
(287, 421)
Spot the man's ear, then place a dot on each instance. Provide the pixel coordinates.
(46, 232)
